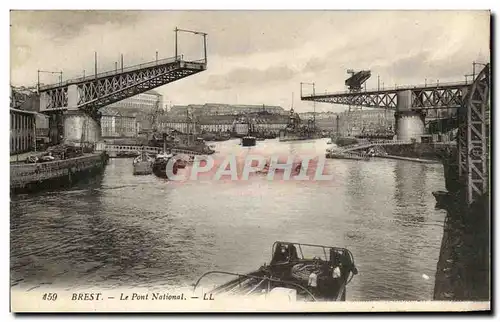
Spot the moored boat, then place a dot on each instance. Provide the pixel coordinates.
(296, 131)
(346, 155)
(160, 165)
(143, 164)
(300, 272)
(248, 141)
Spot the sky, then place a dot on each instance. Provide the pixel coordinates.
(255, 57)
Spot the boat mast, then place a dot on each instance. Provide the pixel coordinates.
(314, 108)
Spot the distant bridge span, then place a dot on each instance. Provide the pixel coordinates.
(428, 96)
(472, 101)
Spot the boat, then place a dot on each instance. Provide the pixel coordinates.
(296, 131)
(242, 127)
(143, 164)
(345, 155)
(248, 141)
(297, 271)
(160, 165)
(222, 136)
(296, 168)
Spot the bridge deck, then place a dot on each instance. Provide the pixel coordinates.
(113, 72)
(387, 90)
(93, 92)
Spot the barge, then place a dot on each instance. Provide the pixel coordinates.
(143, 164)
(248, 141)
(160, 164)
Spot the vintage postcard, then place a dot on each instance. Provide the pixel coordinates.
(249, 161)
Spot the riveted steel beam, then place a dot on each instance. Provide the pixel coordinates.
(94, 92)
(473, 137)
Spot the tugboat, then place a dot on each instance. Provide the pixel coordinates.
(299, 272)
(143, 164)
(248, 141)
(160, 165)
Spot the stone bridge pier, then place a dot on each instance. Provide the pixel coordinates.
(410, 123)
(73, 125)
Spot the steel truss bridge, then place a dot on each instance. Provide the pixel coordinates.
(472, 102)
(90, 93)
(94, 92)
(428, 96)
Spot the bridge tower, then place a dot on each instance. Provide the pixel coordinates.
(410, 121)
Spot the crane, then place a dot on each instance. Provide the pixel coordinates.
(154, 115)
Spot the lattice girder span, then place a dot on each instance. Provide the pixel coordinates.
(92, 93)
(473, 137)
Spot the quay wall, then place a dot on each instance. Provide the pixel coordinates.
(463, 268)
(428, 151)
(464, 265)
(33, 176)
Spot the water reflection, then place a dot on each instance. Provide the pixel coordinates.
(144, 231)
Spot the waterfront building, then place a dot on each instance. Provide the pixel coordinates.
(116, 123)
(270, 123)
(210, 109)
(224, 123)
(22, 131)
(142, 105)
(182, 124)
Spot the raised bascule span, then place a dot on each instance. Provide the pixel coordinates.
(96, 91)
(411, 103)
(73, 105)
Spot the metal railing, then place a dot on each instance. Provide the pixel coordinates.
(373, 143)
(120, 71)
(130, 148)
(149, 149)
(187, 152)
(391, 89)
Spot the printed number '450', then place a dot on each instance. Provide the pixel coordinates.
(49, 296)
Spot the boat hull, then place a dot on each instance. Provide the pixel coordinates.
(286, 136)
(159, 168)
(143, 168)
(248, 141)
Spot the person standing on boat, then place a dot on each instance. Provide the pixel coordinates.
(336, 277)
(313, 282)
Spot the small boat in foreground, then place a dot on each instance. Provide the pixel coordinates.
(299, 272)
(143, 164)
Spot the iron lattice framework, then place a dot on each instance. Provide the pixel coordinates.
(423, 97)
(473, 137)
(94, 92)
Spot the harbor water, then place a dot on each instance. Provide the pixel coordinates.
(121, 230)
